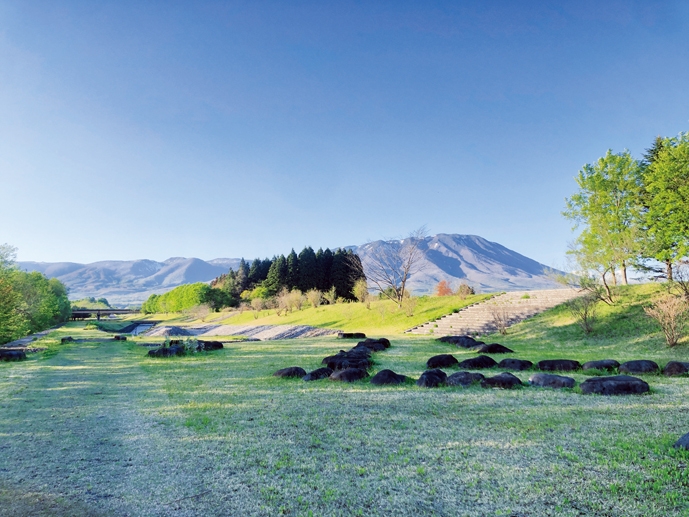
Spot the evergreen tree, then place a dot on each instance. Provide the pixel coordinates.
(292, 271)
(325, 264)
(255, 273)
(265, 267)
(346, 270)
(277, 275)
(242, 277)
(308, 271)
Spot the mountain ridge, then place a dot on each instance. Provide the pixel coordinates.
(485, 265)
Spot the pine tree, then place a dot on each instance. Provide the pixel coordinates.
(346, 270)
(325, 264)
(308, 271)
(277, 275)
(292, 271)
(242, 277)
(255, 272)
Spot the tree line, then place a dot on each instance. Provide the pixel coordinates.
(29, 302)
(323, 270)
(633, 213)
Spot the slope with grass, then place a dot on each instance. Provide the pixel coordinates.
(383, 316)
(98, 428)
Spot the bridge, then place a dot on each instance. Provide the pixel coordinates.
(80, 314)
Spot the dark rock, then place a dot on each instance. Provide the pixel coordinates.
(505, 381)
(210, 345)
(441, 361)
(683, 442)
(120, 338)
(615, 385)
(605, 364)
(477, 363)
(343, 362)
(547, 380)
(67, 339)
(515, 364)
(320, 373)
(461, 341)
(432, 379)
(12, 355)
(292, 371)
(385, 341)
(675, 368)
(640, 366)
(464, 379)
(166, 351)
(351, 335)
(349, 375)
(563, 365)
(374, 346)
(387, 377)
(494, 348)
(175, 342)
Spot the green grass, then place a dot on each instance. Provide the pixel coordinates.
(383, 316)
(97, 428)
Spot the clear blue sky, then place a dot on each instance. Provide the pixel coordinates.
(226, 129)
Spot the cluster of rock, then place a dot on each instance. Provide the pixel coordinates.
(176, 348)
(347, 366)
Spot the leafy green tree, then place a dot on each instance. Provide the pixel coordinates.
(608, 206)
(346, 270)
(666, 196)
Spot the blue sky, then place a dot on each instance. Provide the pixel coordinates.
(226, 129)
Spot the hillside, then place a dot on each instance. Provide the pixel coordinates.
(487, 266)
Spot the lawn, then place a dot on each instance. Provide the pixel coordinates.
(97, 428)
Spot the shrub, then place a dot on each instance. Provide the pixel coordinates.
(464, 290)
(315, 297)
(583, 309)
(443, 289)
(330, 296)
(671, 312)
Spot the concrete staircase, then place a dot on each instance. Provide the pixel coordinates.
(479, 318)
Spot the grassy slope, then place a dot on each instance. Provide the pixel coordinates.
(101, 429)
(383, 317)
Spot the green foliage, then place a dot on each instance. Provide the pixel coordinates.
(91, 303)
(29, 302)
(666, 182)
(608, 205)
(180, 298)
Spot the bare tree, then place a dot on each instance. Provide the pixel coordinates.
(671, 314)
(500, 314)
(583, 309)
(315, 297)
(390, 266)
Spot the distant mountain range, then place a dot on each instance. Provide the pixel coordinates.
(485, 265)
(125, 282)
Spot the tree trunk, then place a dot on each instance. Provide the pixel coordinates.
(668, 270)
(624, 273)
(614, 276)
(609, 300)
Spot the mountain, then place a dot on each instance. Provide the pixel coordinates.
(125, 282)
(486, 266)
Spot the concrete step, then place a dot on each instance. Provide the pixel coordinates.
(479, 318)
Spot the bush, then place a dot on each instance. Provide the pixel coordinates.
(443, 289)
(583, 309)
(315, 297)
(671, 312)
(464, 290)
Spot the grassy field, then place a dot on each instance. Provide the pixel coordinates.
(383, 316)
(97, 428)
